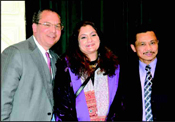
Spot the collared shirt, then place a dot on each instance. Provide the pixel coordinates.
(43, 51)
(142, 72)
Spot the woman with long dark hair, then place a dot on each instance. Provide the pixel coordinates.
(87, 77)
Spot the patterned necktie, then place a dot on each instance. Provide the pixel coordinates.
(147, 94)
(48, 61)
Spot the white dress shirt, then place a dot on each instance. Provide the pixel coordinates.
(43, 51)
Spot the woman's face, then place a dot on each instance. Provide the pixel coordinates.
(89, 41)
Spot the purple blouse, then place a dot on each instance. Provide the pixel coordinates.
(81, 106)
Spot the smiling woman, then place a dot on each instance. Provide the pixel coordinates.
(91, 81)
(12, 23)
(89, 41)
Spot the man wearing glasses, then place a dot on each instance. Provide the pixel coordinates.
(28, 70)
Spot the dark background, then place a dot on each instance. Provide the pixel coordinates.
(116, 20)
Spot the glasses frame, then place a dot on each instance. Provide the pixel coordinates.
(48, 25)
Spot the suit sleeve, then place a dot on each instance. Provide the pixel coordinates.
(11, 71)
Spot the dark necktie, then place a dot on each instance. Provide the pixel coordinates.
(147, 94)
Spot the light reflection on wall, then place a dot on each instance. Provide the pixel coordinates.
(12, 23)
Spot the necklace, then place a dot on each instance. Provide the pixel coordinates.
(93, 64)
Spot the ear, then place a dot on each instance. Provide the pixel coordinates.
(133, 48)
(34, 27)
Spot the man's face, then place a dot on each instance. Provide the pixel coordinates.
(146, 46)
(46, 35)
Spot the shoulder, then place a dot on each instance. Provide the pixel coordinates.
(62, 72)
(61, 62)
(117, 70)
(25, 43)
(54, 55)
(17, 46)
(20, 46)
(14, 50)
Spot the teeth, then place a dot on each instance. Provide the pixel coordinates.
(52, 36)
(89, 45)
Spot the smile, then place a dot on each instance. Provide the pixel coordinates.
(51, 36)
(90, 45)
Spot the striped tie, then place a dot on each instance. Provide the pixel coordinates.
(147, 94)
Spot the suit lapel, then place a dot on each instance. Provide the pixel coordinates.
(53, 65)
(42, 67)
(53, 62)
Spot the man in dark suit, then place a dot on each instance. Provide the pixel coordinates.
(26, 81)
(161, 105)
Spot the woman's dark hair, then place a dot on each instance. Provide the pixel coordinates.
(79, 62)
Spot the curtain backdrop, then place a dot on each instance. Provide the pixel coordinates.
(116, 20)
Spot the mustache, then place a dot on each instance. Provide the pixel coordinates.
(149, 52)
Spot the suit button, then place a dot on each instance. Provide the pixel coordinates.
(49, 113)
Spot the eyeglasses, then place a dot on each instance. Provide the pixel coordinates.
(48, 25)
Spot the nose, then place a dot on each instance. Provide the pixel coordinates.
(53, 28)
(148, 47)
(89, 39)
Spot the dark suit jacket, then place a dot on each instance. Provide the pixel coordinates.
(26, 83)
(162, 93)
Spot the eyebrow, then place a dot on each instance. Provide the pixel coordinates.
(51, 23)
(90, 33)
(154, 40)
(93, 32)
